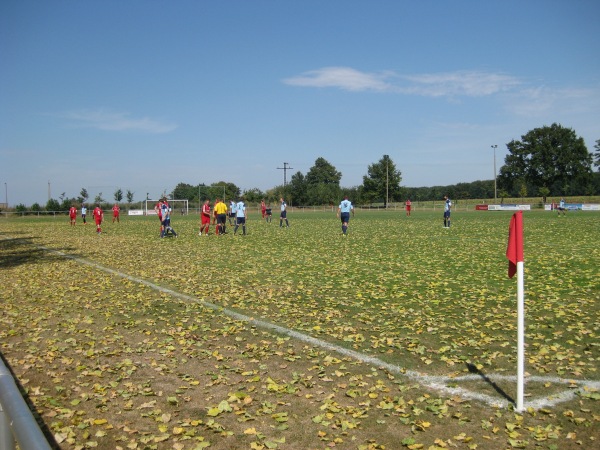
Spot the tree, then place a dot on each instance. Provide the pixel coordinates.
(382, 181)
(544, 192)
(299, 188)
(52, 205)
(253, 196)
(549, 156)
(98, 199)
(66, 202)
(84, 195)
(523, 190)
(129, 196)
(118, 195)
(322, 183)
(354, 193)
(185, 191)
(232, 192)
(597, 155)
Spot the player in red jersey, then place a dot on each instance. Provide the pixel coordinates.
(98, 217)
(263, 208)
(116, 210)
(408, 205)
(205, 218)
(158, 210)
(72, 214)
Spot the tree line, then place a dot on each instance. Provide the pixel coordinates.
(547, 161)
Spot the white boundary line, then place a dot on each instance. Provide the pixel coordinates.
(433, 382)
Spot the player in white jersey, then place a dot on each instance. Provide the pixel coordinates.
(283, 214)
(447, 210)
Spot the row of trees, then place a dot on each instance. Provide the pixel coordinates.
(547, 161)
(64, 203)
(320, 185)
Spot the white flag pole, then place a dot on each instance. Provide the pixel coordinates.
(520, 337)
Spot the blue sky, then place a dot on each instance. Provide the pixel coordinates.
(142, 95)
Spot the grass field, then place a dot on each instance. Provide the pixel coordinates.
(401, 335)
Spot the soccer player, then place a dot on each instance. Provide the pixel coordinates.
(205, 218)
(232, 215)
(241, 216)
(447, 210)
(158, 210)
(561, 207)
(283, 214)
(166, 219)
(344, 214)
(408, 206)
(263, 208)
(268, 213)
(116, 211)
(83, 214)
(221, 213)
(98, 215)
(72, 214)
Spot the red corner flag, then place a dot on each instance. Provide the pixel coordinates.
(514, 251)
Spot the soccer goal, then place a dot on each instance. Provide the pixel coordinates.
(177, 207)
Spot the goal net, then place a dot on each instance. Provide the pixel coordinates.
(177, 207)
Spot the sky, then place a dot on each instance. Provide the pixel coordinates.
(141, 95)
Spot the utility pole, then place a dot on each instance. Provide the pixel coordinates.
(387, 180)
(285, 168)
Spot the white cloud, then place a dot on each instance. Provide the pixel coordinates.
(117, 121)
(542, 100)
(450, 84)
(344, 78)
(461, 83)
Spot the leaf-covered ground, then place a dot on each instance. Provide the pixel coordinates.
(109, 361)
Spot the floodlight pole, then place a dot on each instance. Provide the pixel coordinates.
(495, 178)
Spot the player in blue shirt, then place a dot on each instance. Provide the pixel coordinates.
(166, 220)
(241, 215)
(344, 214)
(232, 214)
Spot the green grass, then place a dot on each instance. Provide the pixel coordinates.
(404, 290)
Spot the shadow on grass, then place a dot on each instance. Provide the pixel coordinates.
(15, 251)
(473, 369)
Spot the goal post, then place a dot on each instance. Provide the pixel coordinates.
(180, 206)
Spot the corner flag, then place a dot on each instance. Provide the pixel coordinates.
(514, 253)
